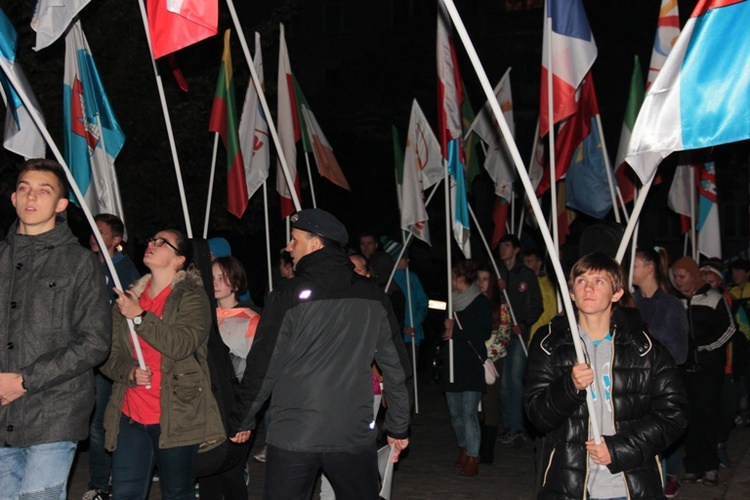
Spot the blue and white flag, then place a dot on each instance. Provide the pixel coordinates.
(21, 133)
(459, 202)
(93, 137)
(701, 97)
(52, 17)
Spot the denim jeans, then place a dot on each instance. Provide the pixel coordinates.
(463, 407)
(511, 386)
(100, 460)
(133, 464)
(39, 471)
(290, 475)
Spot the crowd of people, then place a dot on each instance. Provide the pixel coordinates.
(173, 371)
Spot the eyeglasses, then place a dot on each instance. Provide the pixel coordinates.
(160, 242)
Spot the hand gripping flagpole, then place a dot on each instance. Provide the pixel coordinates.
(264, 105)
(168, 123)
(524, 176)
(79, 196)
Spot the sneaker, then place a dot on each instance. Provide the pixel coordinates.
(670, 489)
(724, 460)
(691, 478)
(506, 437)
(95, 494)
(261, 457)
(519, 439)
(711, 478)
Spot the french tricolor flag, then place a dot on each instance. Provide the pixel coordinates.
(570, 48)
(701, 97)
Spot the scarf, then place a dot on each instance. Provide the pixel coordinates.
(461, 300)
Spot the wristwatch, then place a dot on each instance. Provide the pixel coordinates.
(139, 319)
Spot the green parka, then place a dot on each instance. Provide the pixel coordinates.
(189, 413)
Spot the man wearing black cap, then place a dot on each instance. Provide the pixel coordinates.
(313, 348)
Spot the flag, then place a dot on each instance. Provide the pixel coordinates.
(21, 133)
(701, 97)
(536, 171)
(709, 234)
(255, 143)
(667, 32)
(679, 197)
(587, 183)
(459, 202)
(288, 127)
(499, 219)
(450, 101)
(422, 168)
(498, 161)
(573, 50)
(52, 17)
(175, 24)
(93, 137)
(623, 172)
(224, 122)
(470, 143)
(572, 132)
(315, 142)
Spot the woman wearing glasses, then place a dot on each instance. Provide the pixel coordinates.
(161, 415)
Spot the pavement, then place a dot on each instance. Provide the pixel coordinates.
(427, 472)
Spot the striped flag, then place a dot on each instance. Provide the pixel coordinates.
(255, 142)
(623, 172)
(573, 51)
(93, 136)
(704, 67)
(21, 133)
(224, 122)
(289, 129)
(667, 32)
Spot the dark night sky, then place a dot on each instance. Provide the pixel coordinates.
(359, 80)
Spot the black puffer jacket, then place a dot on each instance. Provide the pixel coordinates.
(649, 401)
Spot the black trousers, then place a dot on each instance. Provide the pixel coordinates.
(703, 390)
(291, 475)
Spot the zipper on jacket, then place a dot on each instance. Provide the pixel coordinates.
(549, 465)
(612, 400)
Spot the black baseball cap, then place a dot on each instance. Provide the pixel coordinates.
(322, 223)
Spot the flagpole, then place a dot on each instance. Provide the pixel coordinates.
(211, 185)
(551, 140)
(117, 208)
(264, 105)
(630, 228)
(268, 237)
(39, 122)
(607, 167)
(497, 273)
(414, 338)
(693, 235)
(622, 204)
(512, 210)
(168, 123)
(524, 176)
(448, 252)
(309, 176)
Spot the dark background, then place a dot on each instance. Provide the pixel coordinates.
(360, 65)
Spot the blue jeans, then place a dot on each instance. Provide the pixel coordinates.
(290, 475)
(100, 460)
(511, 386)
(39, 471)
(133, 464)
(463, 407)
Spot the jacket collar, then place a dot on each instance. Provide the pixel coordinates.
(57, 236)
(190, 277)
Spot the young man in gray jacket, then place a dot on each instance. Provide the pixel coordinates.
(55, 326)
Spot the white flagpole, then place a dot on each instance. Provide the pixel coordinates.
(268, 236)
(210, 186)
(168, 123)
(637, 207)
(524, 176)
(264, 105)
(309, 176)
(693, 232)
(608, 168)
(448, 252)
(413, 339)
(79, 196)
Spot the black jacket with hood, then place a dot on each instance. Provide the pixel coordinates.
(313, 348)
(649, 407)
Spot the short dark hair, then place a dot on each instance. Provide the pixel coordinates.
(324, 241)
(114, 223)
(44, 165)
(742, 264)
(184, 247)
(466, 269)
(234, 274)
(535, 252)
(369, 233)
(512, 239)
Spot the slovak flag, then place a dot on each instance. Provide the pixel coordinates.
(701, 97)
(93, 137)
(570, 48)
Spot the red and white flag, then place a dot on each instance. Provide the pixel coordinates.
(176, 24)
(289, 129)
